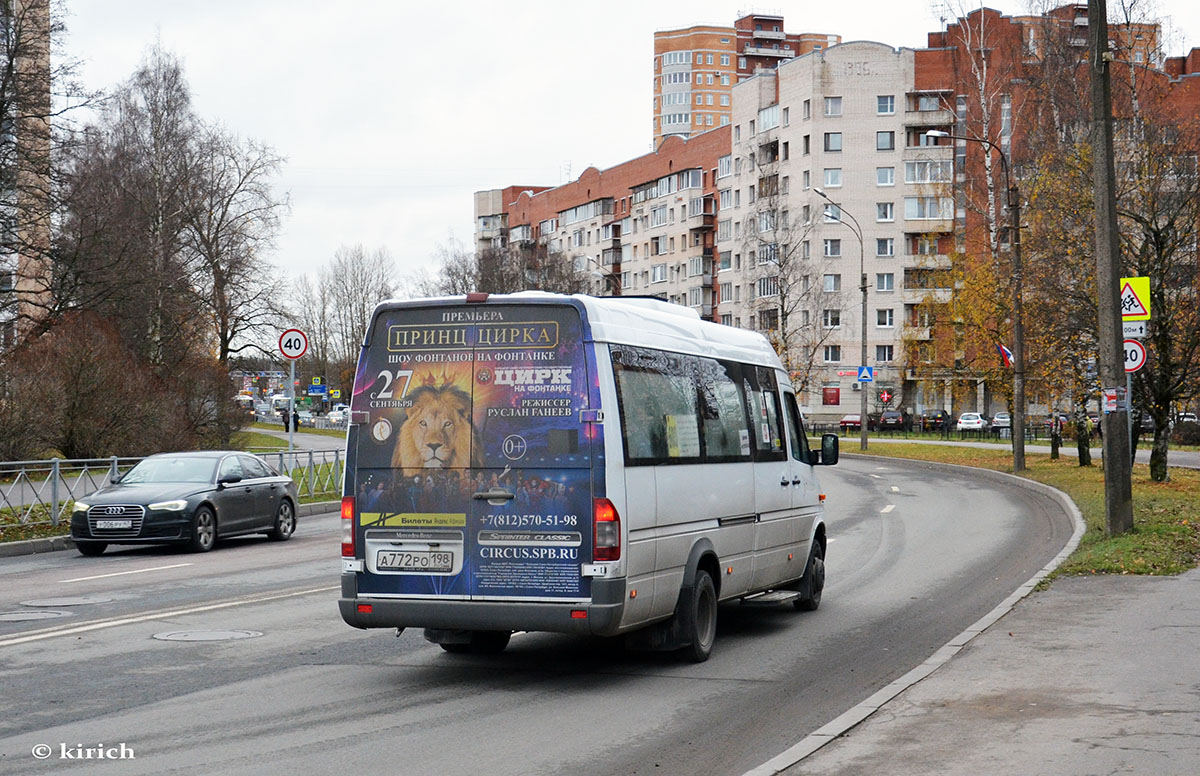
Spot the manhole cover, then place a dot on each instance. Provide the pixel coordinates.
(81, 600)
(44, 614)
(211, 635)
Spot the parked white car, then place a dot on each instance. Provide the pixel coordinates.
(972, 421)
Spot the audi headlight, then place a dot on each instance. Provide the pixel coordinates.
(170, 506)
(82, 507)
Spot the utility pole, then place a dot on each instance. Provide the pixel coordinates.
(1118, 487)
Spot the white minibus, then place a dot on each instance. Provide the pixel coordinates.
(542, 462)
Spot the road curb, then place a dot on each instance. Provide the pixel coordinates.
(57, 543)
(859, 713)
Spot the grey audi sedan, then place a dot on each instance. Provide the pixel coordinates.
(187, 498)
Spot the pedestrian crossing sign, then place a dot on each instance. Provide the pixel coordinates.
(1135, 299)
(866, 374)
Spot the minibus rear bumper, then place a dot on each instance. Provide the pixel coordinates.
(599, 617)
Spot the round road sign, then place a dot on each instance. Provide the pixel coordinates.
(1135, 355)
(293, 343)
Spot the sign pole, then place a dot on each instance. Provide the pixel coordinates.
(291, 413)
(1129, 406)
(293, 344)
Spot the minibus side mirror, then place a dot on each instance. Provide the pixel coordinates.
(829, 449)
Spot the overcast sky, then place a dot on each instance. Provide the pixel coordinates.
(392, 112)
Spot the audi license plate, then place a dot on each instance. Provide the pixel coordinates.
(434, 561)
(114, 524)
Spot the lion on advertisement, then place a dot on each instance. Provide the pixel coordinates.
(437, 432)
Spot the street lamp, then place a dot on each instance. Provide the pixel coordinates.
(1014, 212)
(612, 280)
(862, 273)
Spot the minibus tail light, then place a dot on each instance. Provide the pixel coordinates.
(348, 527)
(606, 525)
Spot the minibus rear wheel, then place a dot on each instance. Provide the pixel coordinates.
(702, 618)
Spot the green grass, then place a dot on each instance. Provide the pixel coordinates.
(329, 432)
(253, 440)
(1166, 534)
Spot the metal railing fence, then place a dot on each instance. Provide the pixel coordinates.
(34, 493)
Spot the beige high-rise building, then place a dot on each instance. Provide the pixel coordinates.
(696, 68)
(845, 122)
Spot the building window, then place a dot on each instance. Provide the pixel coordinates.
(884, 354)
(885, 211)
(725, 263)
(805, 143)
(831, 319)
(806, 109)
(658, 273)
(885, 104)
(885, 176)
(737, 132)
(786, 120)
(926, 208)
(833, 214)
(833, 106)
(885, 246)
(805, 179)
(833, 248)
(724, 199)
(725, 166)
(833, 354)
(725, 100)
(927, 171)
(833, 177)
(725, 60)
(885, 141)
(768, 287)
(741, 63)
(833, 141)
(727, 292)
(885, 281)
(831, 283)
(885, 318)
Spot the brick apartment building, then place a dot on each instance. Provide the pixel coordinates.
(696, 68)
(731, 223)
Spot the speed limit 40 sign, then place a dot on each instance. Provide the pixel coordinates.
(293, 343)
(1135, 355)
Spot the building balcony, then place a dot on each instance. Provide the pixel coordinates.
(762, 51)
(925, 118)
(928, 225)
(701, 222)
(929, 260)
(610, 257)
(924, 152)
(768, 34)
(919, 333)
(919, 295)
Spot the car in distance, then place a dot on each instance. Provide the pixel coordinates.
(851, 422)
(187, 498)
(893, 420)
(972, 421)
(1002, 420)
(935, 420)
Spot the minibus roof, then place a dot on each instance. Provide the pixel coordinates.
(645, 321)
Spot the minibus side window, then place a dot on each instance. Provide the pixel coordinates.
(726, 433)
(795, 428)
(765, 421)
(659, 412)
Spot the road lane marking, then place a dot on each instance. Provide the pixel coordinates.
(876, 476)
(895, 489)
(123, 573)
(50, 633)
(887, 509)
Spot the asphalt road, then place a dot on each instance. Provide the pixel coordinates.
(915, 557)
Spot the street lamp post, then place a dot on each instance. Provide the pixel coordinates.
(862, 277)
(1014, 212)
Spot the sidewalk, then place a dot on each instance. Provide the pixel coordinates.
(1094, 676)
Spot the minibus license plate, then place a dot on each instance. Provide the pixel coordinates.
(405, 560)
(114, 524)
